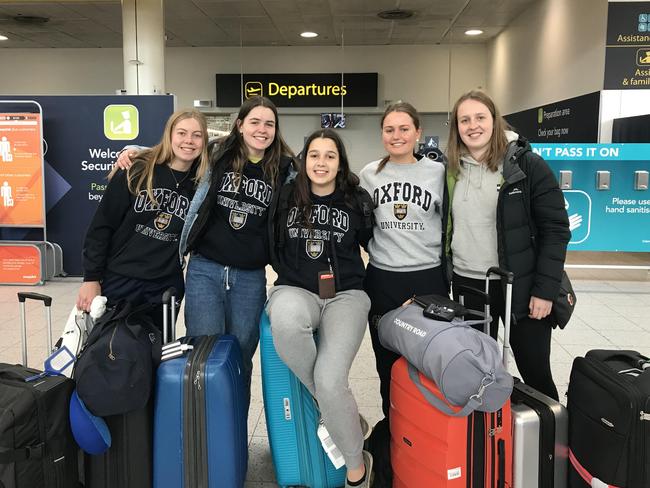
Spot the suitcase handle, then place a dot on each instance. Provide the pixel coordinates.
(469, 290)
(509, 278)
(169, 298)
(508, 275)
(22, 296)
(484, 296)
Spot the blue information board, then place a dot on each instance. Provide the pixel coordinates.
(81, 137)
(612, 219)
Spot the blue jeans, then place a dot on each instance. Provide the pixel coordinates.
(225, 300)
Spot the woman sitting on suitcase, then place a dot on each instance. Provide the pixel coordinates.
(131, 246)
(507, 210)
(322, 218)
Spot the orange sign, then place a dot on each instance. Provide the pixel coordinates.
(20, 265)
(21, 170)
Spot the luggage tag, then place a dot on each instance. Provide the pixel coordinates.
(59, 360)
(55, 364)
(333, 452)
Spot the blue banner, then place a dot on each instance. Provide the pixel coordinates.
(82, 136)
(612, 219)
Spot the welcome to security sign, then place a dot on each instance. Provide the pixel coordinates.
(299, 89)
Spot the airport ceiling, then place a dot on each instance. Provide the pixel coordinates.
(203, 23)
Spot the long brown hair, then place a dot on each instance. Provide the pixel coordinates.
(498, 141)
(234, 148)
(346, 180)
(140, 174)
(406, 108)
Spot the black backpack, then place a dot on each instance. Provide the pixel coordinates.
(114, 371)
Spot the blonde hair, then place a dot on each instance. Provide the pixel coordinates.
(140, 174)
(498, 141)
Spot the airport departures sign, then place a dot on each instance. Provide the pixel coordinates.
(627, 55)
(299, 89)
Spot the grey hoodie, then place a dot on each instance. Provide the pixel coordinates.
(474, 213)
(408, 214)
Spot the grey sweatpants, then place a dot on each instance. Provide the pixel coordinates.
(295, 315)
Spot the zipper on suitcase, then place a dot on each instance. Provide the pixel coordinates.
(470, 436)
(492, 447)
(188, 419)
(501, 451)
(201, 420)
(191, 467)
(645, 475)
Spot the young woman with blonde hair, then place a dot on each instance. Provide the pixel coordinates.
(131, 247)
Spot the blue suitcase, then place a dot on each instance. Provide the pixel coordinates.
(200, 437)
(291, 421)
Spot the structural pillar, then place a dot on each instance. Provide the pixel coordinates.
(143, 46)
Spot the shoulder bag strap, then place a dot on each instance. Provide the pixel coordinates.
(472, 404)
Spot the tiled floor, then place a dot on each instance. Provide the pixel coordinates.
(613, 312)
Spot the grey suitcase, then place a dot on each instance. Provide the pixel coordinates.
(540, 428)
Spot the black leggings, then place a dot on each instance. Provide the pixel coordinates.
(388, 290)
(530, 339)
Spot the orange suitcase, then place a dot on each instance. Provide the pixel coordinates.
(432, 449)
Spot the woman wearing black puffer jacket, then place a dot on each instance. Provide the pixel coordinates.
(506, 210)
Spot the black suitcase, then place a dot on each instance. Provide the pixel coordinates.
(609, 420)
(128, 463)
(37, 449)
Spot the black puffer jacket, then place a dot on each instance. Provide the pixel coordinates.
(532, 227)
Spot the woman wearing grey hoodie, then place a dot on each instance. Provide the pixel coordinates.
(507, 210)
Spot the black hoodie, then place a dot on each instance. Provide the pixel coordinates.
(131, 236)
(336, 230)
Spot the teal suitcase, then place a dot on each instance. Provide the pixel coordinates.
(292, 420)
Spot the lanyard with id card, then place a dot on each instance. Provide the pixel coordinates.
(326, 279)
(326, 285)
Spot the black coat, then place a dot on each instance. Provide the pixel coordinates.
(532, 227)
